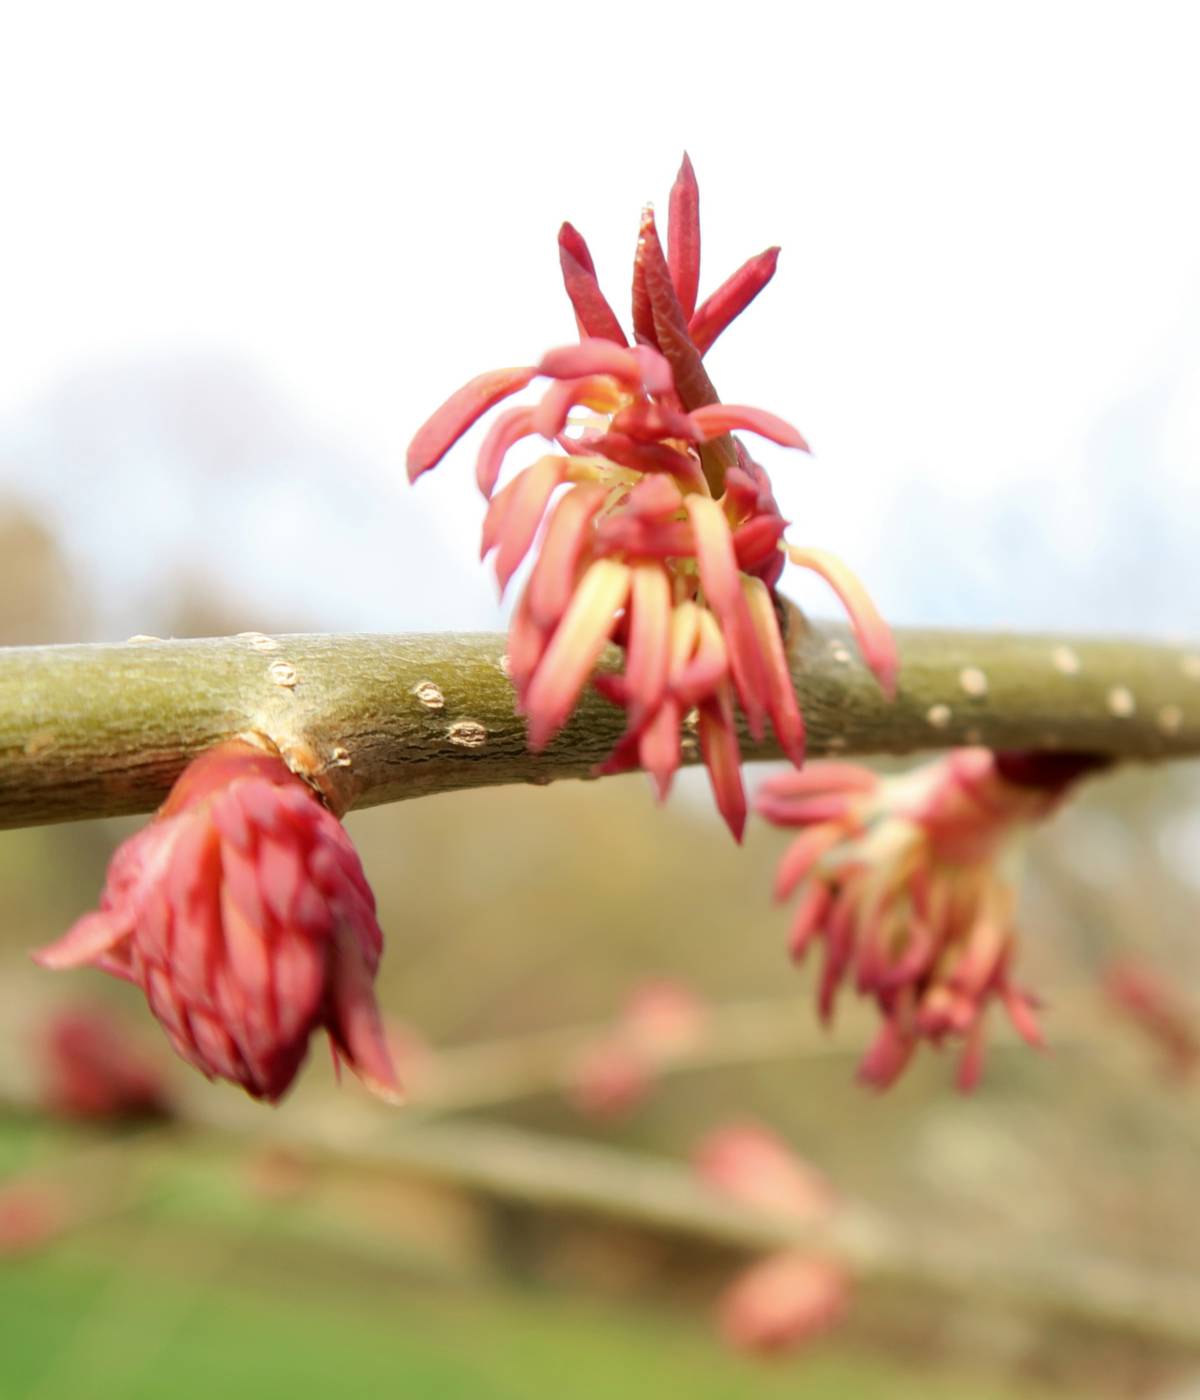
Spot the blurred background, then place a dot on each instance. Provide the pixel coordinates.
(247, 249)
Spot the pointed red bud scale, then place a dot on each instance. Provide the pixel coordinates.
(643, 316)
(670, 325)
(683, 237)
(459, 412)
(731, 298)
(593, 314)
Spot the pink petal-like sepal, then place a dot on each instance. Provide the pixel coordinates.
(574, 649)
(874, 636)
(243, 914)
(714, 419)
(459, 412)
(905, 882)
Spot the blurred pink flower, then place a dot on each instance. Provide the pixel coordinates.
(243, 914)
(609, 1078)
(32, 1213)
(664, 1017)
(909, 884)
(783, 1301)
(666, 539)
(92, 1068)
(1154, 1006)
(751, 1164)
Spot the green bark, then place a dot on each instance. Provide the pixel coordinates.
(103, 730)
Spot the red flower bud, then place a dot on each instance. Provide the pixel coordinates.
(243, 914)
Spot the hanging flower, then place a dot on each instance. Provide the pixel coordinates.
(752, 1164)
(658, 532)
(243, 914)
(1148, 1001)
(909, 883)
(783, 1301)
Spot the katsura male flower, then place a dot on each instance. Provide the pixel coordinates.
(910, 885)
(243, 914)
(658, 532)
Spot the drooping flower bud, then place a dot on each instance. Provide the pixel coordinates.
(908, 882)
(243, 914)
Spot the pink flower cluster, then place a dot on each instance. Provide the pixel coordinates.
(657, 531)
(906, 883)
(662, 1021)
(243, 914)
(785, 1299)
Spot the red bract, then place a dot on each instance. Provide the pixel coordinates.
(907, 882)
(243, 914)
(657, 531)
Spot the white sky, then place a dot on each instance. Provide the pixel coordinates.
(986, 320)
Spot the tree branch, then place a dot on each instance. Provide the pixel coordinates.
(103, 730)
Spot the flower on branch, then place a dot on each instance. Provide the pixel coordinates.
(652, 527)
(910, 885)
(243, 914)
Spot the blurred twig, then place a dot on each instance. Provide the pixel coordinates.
(104, 730)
